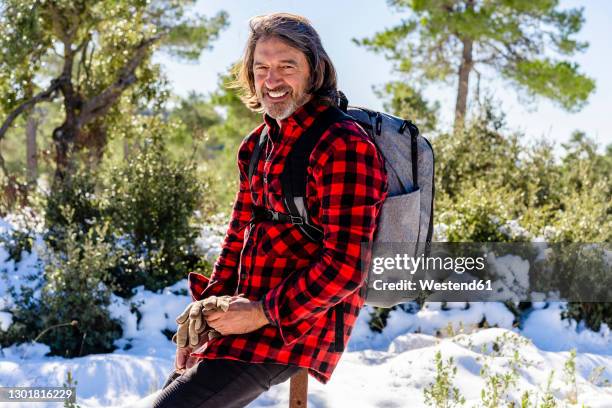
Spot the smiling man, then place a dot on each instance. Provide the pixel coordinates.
(296, 282)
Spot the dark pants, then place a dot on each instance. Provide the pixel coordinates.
(221, 384)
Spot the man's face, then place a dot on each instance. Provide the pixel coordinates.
(281, 75)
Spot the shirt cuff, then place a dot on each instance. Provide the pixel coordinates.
(266, 309)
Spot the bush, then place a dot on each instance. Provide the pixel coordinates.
(151, 202)
(78, 193)
(106, 234)
(482, 214)
(18, 229)
(442, 393)
(593, 314)
(486, 181)
(67, 310)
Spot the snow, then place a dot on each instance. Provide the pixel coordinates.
(388, 369)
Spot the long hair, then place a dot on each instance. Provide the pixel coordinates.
(297, 32)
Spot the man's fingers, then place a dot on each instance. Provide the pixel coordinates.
(180, 360)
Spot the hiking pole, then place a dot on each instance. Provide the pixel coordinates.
(298, 389)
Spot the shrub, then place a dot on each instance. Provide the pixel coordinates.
(569, 370)
(476, 217)
(441, 393)
(593, 314)
(68, 309)
(486, 179)
(77, 192)
(18, 233)
(151, 201)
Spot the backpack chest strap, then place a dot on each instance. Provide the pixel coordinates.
(294, 176)
(260, 214)
(265, 214)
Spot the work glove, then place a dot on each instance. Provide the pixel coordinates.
(191, 323)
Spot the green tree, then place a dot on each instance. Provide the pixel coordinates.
(239, 122)
(526, 41)
(223, 138)
(586, 192)
(95, 58)
(196, 115)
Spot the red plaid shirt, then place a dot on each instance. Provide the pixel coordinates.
(299, 281)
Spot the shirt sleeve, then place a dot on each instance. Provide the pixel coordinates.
(351, 185)
(224, 278)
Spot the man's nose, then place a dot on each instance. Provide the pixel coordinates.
(273, 79)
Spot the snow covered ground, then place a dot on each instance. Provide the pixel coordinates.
(388, 369)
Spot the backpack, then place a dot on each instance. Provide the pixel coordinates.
(407, 212)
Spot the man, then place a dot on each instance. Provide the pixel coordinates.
(299, 297)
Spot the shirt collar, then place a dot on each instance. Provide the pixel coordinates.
(301, 119)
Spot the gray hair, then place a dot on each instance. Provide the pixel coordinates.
(297, 32)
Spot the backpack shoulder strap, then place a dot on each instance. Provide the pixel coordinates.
(294, 176)
(414, 148)
(257, 152)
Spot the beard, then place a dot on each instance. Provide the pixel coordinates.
(282, 109)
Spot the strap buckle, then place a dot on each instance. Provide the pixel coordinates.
(296, 220)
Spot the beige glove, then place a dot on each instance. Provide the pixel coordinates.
(191, 323)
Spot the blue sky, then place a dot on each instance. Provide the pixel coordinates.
(341, 20)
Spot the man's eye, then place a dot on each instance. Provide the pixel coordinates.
(260, 68)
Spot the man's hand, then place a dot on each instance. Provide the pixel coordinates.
(183, 360)
(183, 356)
(243, 316)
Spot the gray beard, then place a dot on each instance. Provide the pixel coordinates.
(280, 111)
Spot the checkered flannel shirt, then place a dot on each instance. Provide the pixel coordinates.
(300, 282)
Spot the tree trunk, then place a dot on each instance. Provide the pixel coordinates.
(467, 64)
(63, 137)
(32, 149)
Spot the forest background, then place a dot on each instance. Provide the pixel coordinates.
(118, 155)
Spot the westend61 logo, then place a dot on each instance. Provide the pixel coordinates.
(411, 264)
(487, 271)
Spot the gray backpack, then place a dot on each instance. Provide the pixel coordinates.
(407, 213)
(406, 218)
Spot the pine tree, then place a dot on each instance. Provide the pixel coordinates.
(525, 41)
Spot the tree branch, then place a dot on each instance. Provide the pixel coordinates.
(82, 48)
(47, 95)
(99, 104)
